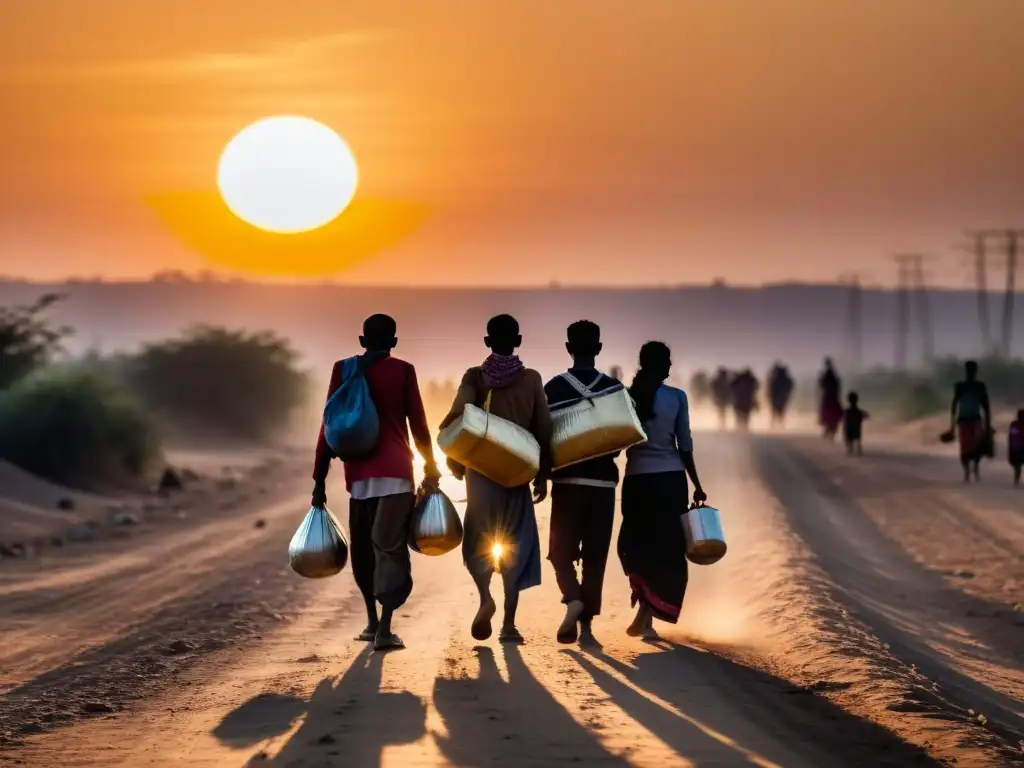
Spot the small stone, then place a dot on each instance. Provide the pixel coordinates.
(261, 523)
(325, 739)
(97, 708)
(65, 504)
(180, 646)
(170, 481)
(125, 518)
(28, 728)
(965, 574)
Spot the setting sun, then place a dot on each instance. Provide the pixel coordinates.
(287, 174)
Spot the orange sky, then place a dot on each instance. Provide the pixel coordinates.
(592, 141)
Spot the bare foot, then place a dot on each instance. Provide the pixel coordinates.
(568, 630)
(640, 622)
(481, 628)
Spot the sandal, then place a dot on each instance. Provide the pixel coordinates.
(391, 642)
(510, 635)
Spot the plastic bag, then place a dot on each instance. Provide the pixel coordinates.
(436, 527)
(351, 424)
(319, 547)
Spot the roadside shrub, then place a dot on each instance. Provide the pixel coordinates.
(28, 341)
(74, 426)
(218, 383)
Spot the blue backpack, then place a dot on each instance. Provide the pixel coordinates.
(351, 424)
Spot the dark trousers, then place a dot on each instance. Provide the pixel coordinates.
(581, 530)
(379, 529)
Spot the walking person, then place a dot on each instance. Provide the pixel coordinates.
(652, 545)
(381, 485)
(830, 411)
(721, 394)
(582, 495)
(499, 517)
(853, 425)
(744, 397)
(971, 420)
(1015, 446)
(780, 388)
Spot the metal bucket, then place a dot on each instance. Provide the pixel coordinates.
(705, 541)
(436, 527)
(319, 547)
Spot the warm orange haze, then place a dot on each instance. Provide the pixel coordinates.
(471, 384)
(755, 141)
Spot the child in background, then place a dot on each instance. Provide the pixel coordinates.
(1015, 449)
(853, 419)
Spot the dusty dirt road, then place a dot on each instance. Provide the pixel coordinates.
(868, 613)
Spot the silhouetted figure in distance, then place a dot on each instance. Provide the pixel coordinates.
(853, 422)
(830, 410)
(780, 389)
(721, 393)
(744, 397)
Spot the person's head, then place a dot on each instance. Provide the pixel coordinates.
(379, 333)
(828, 362)
(655, 365)
(583, 340)
(971, 370)
(853, 398)
(503, 335)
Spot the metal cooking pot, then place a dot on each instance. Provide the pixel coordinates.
(705, 541)
(436, 527)
(319, 547)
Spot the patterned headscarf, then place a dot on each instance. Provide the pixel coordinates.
(501, 371)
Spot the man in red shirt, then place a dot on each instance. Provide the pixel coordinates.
(381, 485)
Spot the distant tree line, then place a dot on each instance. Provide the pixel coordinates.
(101, 421)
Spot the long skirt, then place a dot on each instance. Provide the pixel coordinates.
(972, 438)
(505, 516)
(652, 545)
(830, 413)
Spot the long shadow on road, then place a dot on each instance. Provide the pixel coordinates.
(349, 720)
(712, 710)
(515, 723)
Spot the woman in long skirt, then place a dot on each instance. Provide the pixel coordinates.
(652, 545)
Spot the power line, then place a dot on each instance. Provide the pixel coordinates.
(911, 280)
(1009, 238)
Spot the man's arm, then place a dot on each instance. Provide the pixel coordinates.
(324, 454)
(417, 416)
(953, 406)
(983, 396)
